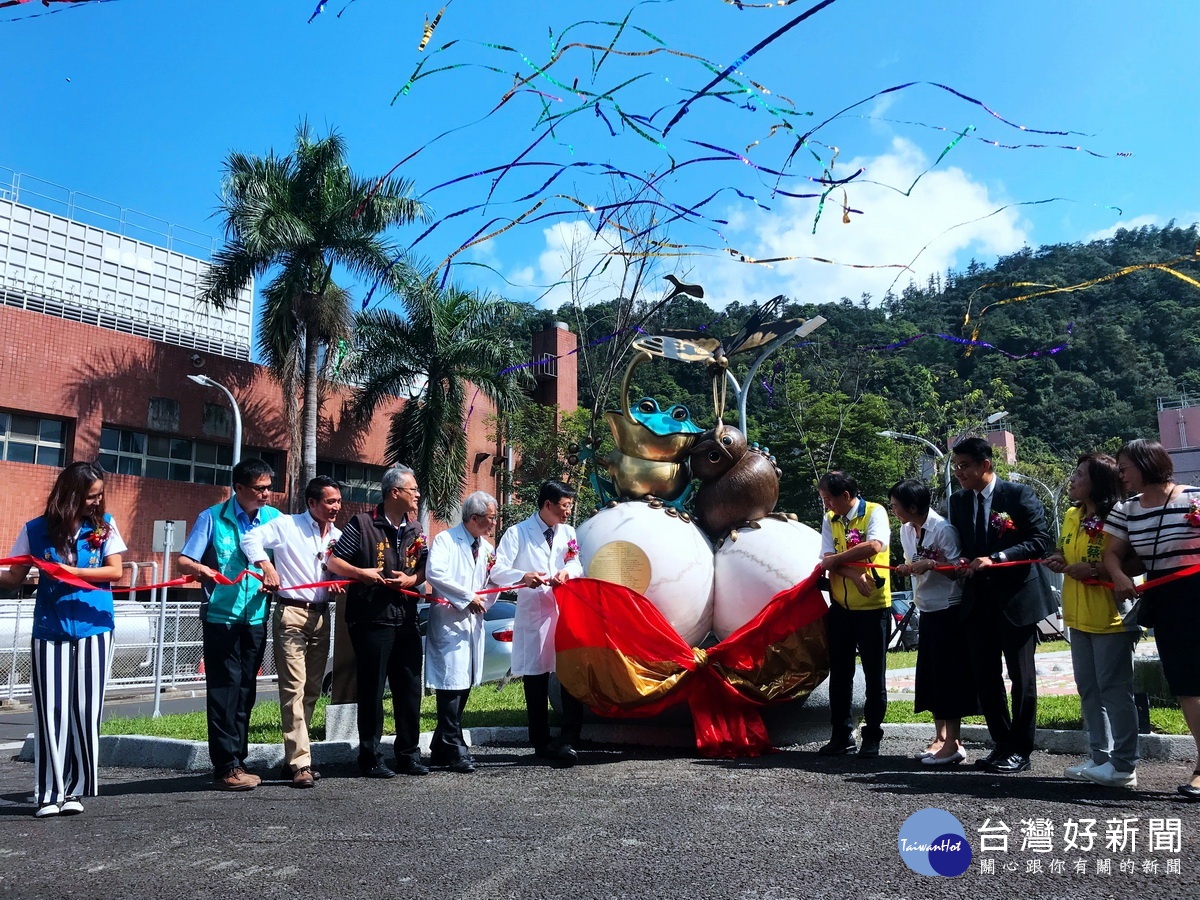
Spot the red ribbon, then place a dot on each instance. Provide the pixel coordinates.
(1140, 588)
(56, 571)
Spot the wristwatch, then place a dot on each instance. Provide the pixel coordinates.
(998, 557)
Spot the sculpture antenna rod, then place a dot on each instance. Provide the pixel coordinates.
(743, 393)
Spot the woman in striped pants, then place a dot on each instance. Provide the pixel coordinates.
(72, 634)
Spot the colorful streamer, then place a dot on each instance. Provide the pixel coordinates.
(779, 32)
(1168, 267)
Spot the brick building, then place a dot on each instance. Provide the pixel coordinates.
(101, 333)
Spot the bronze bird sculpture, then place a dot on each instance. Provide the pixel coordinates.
(738, 484)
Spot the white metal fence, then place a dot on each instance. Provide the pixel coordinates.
(144, 635)
(149, 638)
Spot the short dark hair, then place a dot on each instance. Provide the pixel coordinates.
(553, 492)
(838, 483)
(913, 495)
(975, 447)
(1149, 458)
(1107, 489)
(316, 488)
(250, 470)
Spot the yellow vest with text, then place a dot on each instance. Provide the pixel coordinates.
(842, 590)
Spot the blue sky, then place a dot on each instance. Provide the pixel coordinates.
(138, 101)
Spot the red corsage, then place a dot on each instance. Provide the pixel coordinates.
(1003, 522)
(97, 536)
(929, 553)
(572, 550)
(1192, 516)
(1093, 526)
(853, 538)
(491, 562)
(413, 554)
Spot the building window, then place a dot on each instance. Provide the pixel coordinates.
(31, 439)
(360, 484)
(128, 452)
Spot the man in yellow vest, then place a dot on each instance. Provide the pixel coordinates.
(855, 531)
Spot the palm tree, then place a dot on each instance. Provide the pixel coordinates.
(297, 217)
(449, 344)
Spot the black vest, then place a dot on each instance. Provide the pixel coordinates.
(381, 544)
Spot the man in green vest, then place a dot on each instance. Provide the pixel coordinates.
(855, 531)
(234, 618)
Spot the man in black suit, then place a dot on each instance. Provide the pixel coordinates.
(998, 521)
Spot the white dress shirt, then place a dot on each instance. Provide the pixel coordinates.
(523, 549)
(933, 591)
(299, 550)
(454, 638)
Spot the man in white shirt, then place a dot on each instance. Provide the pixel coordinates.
(457, 569)
(301, 545)
(540, 553)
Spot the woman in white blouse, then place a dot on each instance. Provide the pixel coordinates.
(944, 685)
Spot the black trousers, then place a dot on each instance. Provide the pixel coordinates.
(388, 655)
(861, 632)
(991, 637)
(233, 654)
(537, 700)
(448, 745)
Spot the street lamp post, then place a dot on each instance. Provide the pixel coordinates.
(205, 381)
(932, 447)
(1053, 495)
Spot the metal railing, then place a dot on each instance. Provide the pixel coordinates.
(56, 199)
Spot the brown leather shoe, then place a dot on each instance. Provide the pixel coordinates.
(237, 779)
(304, 778)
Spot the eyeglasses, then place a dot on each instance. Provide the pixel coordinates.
(258, 488)
(963, 466)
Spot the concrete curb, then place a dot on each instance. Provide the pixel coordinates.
(141, 751)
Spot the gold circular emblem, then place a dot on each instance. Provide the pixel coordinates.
(621, 563)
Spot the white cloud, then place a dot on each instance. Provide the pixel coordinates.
(948, 217)
(1135, 222)
(574, 253)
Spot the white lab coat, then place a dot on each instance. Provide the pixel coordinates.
(454, 638)
(523, 549)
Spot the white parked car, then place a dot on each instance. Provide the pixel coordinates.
(497, 642)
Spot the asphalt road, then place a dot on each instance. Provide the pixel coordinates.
(621, 824)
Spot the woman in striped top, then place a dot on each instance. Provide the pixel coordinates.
(1160, 525)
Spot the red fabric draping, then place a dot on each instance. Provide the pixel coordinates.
(600, 621)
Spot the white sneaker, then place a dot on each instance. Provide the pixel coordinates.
(71, 807)
(46, 810)
(1075, 773)
(1108, 776)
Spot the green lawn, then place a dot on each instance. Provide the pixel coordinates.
(907, 659)
(487, 706)
(491, 707)
(1058, 712)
